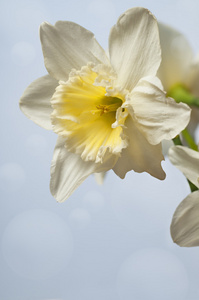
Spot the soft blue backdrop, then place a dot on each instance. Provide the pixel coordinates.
(106, 242)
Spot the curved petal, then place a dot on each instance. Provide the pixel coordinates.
(157, 116)
(68, 45)
(185, 222)
(176, 57)
(187, 161)
(68, 171)
(35, 101)
(139, 156)
(134, 46)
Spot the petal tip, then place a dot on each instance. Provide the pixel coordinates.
(43, 27)
(45, 23)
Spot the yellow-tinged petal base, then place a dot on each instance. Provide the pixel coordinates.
(84, 112)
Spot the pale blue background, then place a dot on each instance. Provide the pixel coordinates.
(106, 242)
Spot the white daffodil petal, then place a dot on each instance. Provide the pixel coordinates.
(187, 161)
(185, 222)
(68, 171)
(99, 177)
(176, 57)
(35, 101)
(157, 116)
(165, 146)
(68, 45)
(134, 46)
(140, 155)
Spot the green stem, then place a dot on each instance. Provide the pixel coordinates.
(177, 140)
(193, 188)
(189, 139)
(182, 94)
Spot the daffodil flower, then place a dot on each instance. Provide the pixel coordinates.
(179, 70)
(109, 112)
(185, 222)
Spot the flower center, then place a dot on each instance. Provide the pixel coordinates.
(85, 113)
(109, 107)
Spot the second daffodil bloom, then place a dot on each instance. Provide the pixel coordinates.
(179, 70)
(185, 222)
(110, 112)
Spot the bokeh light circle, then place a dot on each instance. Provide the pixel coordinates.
(12, 176)
(37, 244)
(152, 273)
(23, 53)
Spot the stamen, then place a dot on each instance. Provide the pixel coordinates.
(104, 109)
